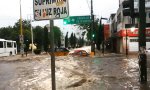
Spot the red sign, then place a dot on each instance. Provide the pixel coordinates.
(128, 32)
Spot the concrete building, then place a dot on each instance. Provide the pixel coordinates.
(127, 38)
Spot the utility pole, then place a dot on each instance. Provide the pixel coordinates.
(31, 34)
(92, 29)
(52, 55)
(126, 43)
(142, 42)
(21, 34)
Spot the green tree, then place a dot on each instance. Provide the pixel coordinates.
(99, 36)
(6, 33)
(25, 29)
(66, 40)
(71, 40)
(46, 41)
(38, 36)
(57, 36)
(75, 40)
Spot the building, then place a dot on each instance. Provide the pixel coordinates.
(127, 38)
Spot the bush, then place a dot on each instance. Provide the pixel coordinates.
(37, 51)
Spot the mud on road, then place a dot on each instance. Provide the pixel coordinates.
(72, 73)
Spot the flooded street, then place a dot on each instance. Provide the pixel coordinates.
(112, 72)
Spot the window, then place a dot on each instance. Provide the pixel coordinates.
(133, 40)
(9, 44)
(15, 45)
(1, 44)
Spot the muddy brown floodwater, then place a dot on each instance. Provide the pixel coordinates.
(113, 72)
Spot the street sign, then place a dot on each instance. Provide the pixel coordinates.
(77, 19)
(50, 9)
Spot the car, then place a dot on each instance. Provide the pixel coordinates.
(61, 51)
(79, 53)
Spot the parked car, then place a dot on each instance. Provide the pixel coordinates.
(60, 51)
(79, 53)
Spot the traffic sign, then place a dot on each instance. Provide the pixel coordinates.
(77, 20)
(50, 9)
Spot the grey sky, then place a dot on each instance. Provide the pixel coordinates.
(10, 10)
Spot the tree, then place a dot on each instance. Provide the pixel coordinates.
(57, 36)
(6, 33)
(66, 40)
(99, 36)
(46, 41)
(25, 29)
(71, 40)
(75, 40)
(38, 36)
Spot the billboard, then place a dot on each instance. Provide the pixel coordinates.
(50, 9)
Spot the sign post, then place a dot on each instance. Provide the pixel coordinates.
(50, 10)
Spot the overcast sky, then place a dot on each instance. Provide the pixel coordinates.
(10, 10)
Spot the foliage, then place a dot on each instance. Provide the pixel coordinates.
(46, 41)
(66, 40)
(75, 40)
(57, 36)
(38, 36)
(6, 32)
(97, 33)
(71, 40)
(81, 42)
(99, 36)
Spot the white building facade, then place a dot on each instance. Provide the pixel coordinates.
(125, 38)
